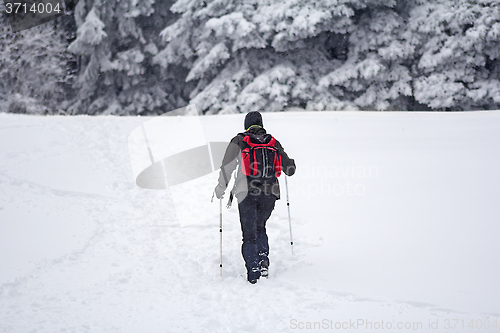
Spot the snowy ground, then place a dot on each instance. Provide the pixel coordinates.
(395, 222)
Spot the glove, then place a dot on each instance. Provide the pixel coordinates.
(219, 192)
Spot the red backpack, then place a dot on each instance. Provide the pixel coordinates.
(260, 160)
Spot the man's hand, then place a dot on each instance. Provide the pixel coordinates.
(219, 192)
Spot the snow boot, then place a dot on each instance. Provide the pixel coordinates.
(264, 268)
(253, 275)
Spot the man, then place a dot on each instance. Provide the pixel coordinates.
(261, 159)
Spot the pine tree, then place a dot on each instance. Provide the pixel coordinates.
(34, 68)
(403, 55)
(261, 54)
(226, 56)
(458, 68)
(117, 41)
(377, 73)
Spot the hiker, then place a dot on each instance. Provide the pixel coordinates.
(260, 158)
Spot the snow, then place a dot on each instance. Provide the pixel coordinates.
(394, 217)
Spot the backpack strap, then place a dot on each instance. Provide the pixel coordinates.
(248, 141)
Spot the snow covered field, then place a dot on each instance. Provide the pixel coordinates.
(395, 221)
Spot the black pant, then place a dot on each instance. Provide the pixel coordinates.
(254, 211)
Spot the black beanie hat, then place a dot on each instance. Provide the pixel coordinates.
(253, 118)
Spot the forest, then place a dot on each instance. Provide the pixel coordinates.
(148, 57)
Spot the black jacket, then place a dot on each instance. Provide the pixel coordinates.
(232, 159)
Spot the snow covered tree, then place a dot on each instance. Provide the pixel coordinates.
(117, 40)
(227, 56)
(459, 42)
(261, 54)
(404, 55)
(377, 73)
(35, 68)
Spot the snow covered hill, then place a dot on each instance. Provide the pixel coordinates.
(395, 221)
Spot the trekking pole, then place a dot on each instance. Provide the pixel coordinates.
(220, 232)
(289, 218)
